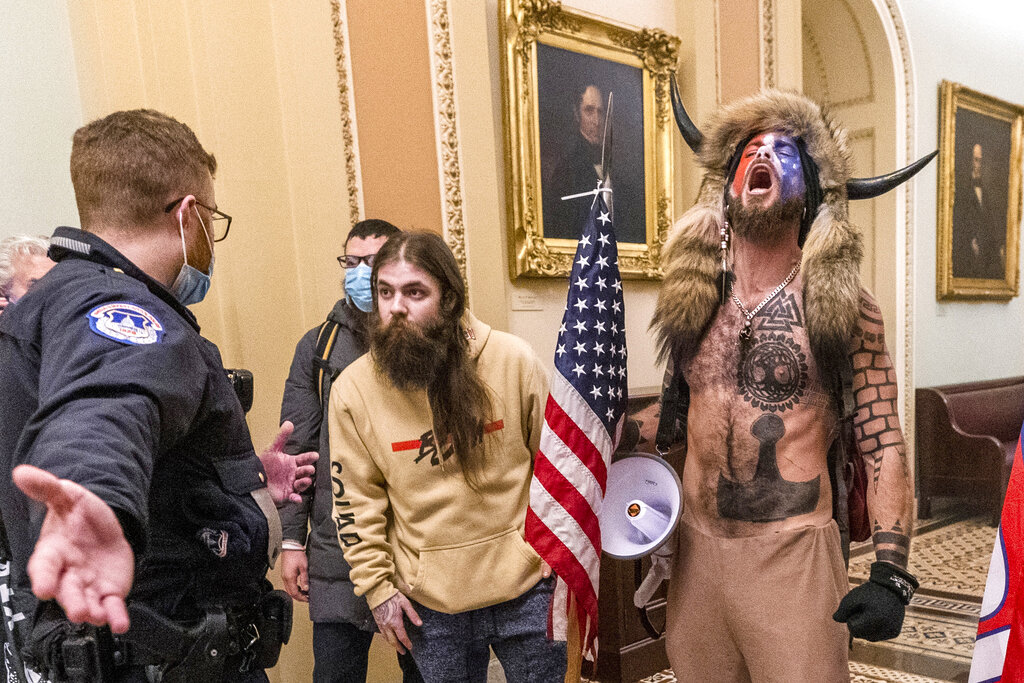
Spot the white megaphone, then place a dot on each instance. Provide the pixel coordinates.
(642, 504)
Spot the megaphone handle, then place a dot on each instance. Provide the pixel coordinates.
(645, 619)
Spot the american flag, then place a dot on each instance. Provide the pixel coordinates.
(999, 648)
(583, 421)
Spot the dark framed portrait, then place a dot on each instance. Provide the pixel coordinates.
(560, 70)
(580, 100)
(979, 195)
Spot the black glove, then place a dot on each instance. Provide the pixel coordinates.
(874, 610)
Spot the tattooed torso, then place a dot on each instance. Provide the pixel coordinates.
(760, 424)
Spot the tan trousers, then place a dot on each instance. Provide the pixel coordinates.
(758, 609)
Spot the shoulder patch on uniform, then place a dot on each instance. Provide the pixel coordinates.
(125, 323)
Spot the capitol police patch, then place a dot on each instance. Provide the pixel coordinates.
(126, 323)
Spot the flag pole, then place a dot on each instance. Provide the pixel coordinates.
(583, 420)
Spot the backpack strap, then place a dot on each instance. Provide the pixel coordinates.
(325, 340)
(675, 406)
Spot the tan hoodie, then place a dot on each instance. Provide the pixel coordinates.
(406, 520)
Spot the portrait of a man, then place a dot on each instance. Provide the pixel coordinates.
(979, 204)
(573, 92)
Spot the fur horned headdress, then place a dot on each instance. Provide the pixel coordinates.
(832, 251)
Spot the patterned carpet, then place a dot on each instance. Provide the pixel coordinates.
(949, 556)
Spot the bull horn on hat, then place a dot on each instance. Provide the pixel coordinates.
(856, 188)
(869, 188)
(690, 132)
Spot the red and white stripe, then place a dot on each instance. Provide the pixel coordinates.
(570, 472)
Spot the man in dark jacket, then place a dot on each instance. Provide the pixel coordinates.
(312, 565)
(159, 517)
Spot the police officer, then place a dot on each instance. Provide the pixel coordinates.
(119, 416)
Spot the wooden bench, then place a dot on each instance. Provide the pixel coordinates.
(966, 435)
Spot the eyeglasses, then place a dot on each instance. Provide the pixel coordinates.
(352, 261)
(220, 222)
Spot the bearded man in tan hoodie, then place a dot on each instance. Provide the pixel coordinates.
(432, 439)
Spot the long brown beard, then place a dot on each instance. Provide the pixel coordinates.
(437, 359)
(768, 224)
(407, 356)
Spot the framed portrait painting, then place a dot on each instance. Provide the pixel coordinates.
(561, 68)
(979, 209)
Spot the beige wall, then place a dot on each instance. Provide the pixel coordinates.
(39, 110)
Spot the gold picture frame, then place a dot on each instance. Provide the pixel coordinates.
(979, 210)
(553, 60)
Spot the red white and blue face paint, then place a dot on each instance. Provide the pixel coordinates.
(769, 170)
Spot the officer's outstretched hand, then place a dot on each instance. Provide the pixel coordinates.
(81, 558)
(390, 617)
(287, 475)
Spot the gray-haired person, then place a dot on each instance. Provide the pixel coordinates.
(23, 260)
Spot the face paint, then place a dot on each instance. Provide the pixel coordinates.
(770, 158)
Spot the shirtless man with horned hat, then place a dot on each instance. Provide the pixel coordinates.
(778, 353)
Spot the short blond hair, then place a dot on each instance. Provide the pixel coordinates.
(126, 167)
(14, 248)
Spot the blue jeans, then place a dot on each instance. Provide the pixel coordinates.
(453, 648)
(340, 653)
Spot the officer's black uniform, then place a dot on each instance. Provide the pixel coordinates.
(106, 381)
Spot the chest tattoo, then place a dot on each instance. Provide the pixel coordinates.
(781, 314)
(767, 497)
(772, 374)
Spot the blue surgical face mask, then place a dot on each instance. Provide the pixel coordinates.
(357, 287)
(191, 285)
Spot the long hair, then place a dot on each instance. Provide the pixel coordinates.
(459, 401)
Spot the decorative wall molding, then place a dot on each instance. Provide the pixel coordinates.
(863, 134)
(343, 64)
(718, 55)
(908, 284)
(447, 131)
(767, 21)
(819, 61)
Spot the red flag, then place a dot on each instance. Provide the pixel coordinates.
(999, 648)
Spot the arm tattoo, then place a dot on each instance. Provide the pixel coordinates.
(891, 546)
(876, 424)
